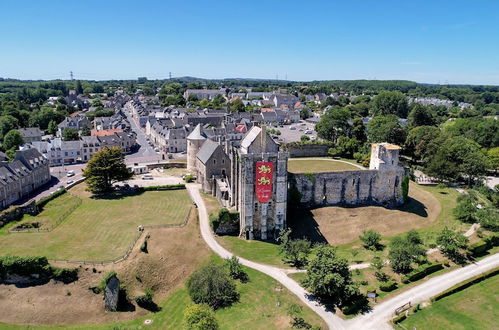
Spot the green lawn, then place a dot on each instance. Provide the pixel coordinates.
(297, 165)
(260, 251)
(263, 303)
(98, 229)
(476, 307)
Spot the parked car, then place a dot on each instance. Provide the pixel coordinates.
(70, 173)
(308, 131)
(293, 128)
(70, 182)
(147, 177)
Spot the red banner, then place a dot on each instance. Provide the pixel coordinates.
(264, 175)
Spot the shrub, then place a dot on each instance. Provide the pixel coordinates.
(200, 317)
(65, 275)
(388, 286)
(294, 251)
(143, 247)
(465, 210)
(105, 280)
(371, 240)
(164, 187)
(421, 272)
(146, 301)
(24, 265)
(405, 188)
(188, 178)
(212, 285)
(236, 270)
(43, 201)
(478, 248)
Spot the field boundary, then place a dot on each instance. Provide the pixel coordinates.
(129, 250)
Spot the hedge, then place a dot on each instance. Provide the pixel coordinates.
(224, 216)
(165, 187)
(24, 265)
(480, 247)
(43, 201)
(388, 286)
(399, 318)
(465, 284)
(65, 275)
(421, 272)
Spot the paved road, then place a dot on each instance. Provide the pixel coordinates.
(379, 317)
(384, 311)
(146, 152)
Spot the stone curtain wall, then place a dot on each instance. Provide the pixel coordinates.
(366, 187)
(307, 150)
(15, 212)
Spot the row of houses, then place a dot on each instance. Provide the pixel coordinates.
(19, 178)
(60, 152)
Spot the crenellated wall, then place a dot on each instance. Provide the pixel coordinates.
(363, 187)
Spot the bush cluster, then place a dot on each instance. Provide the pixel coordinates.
(422, 271)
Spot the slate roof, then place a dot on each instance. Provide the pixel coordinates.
(207, 150)
(30, 132)
(197, 134)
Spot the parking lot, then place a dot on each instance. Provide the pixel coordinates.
(293, 132)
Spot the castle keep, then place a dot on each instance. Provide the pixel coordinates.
(250, 175)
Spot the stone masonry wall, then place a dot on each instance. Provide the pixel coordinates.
(308, 150)
(364, 187)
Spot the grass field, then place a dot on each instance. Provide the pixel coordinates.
(476, 307)
(263, 303)
(98, 229)
(297, 165)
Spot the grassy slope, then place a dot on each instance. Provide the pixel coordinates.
(476, 307)
(261, 306)
(99, 229)
(317, 166)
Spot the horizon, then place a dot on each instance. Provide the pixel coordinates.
(448, 43)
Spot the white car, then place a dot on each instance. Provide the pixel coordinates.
(147, 177)
(70, 182)
(70, 173)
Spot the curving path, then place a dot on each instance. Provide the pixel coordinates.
(379, 317)
(333, 321)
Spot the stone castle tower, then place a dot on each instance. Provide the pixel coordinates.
(261, 177)
(194, 142)
(384, 157)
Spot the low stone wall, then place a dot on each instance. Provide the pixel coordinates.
(166, 165)
(366, 187)
(308, 150)
(15, 212)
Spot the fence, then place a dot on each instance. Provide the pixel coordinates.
(131, 246)
(56, 223)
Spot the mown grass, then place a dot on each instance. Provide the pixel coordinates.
(99, 229)
(476, 307)
(318, 165)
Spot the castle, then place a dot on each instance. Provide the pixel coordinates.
(250, 175)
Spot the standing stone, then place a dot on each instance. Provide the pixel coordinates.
(111, 294)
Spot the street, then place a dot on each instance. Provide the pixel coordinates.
(145, 153)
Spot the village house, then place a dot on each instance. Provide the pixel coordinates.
(31, 134)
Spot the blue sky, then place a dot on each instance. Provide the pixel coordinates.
(425, 41)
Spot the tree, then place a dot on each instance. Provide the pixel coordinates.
(212, 285)
(465, 209)
(404, 251)
(85, 131)
(106, 167)
(451, 243)
(333, 124)
(200, 317)
(12, 140)
(237, 106)
(458, 156)
(371, 240)
(328, 276)
(359, 130)
(70, 134)
(405, 188)
(7, 123)
(422, 141)
(304, 113)
(421, 115)
(52, 127)
(390, 103)
(79, 87)
(294, 251)
(385, 129)
(236, 270)
(304, 138)
(44, 116)
(493, 155)
(345, 147)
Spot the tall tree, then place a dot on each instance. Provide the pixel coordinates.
(390, 103)
(12, 140)
(333, 124)
(328, 276)
(421, 115)
(106, 167)
(386, 129)
(7, 123)
(70, 134)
